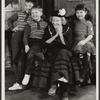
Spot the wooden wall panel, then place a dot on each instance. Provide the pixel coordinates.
(70, 5)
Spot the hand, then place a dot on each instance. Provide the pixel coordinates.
(26, 48)
(56, 34)
(15, 29)
(81, 43)
(59, 30)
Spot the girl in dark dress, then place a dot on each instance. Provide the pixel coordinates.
(57, 41)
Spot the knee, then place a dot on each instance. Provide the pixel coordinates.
(65, 52)
(30, 55)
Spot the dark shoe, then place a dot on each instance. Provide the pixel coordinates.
(80, 55)
(65, 96)
(78, 83)
(39, 56)
(82, 80)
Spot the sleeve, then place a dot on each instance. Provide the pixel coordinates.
(90, 28)
(11, 20)
(46, 36)
(26, 34)
(68, 38)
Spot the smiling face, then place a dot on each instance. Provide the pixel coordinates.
(56, 21)
(36, 14)
(80, 14)
(28, 6)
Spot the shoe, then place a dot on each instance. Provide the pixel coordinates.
(81, 80)
(80, 55)
(78, 83)
(65, 96)
(26, 79)
(16, 86)
(39, 56)
(52, 90)
(89, 81)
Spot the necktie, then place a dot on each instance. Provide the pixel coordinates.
(38, 25)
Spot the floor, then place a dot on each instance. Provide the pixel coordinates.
(84, 93)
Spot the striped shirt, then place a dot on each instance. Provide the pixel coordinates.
(34, 30)
(21, 19)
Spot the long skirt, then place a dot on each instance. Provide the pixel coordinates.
(56, 65)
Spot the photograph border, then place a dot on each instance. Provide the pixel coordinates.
(3, 50)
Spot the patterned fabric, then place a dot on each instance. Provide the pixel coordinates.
(21, 20)
(57, 59)
(34, 30)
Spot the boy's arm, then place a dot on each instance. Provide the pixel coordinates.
(11, 20)
(26, 34)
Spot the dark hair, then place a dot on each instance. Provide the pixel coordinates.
(32, 1)
(83, 7)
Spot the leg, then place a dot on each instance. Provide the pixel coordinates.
(64, 89)
(53, 89)
(85, 66)
(16, 46)
(30, 65)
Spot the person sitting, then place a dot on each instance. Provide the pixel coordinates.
(32, 41)
(83, 45)
(57, 42)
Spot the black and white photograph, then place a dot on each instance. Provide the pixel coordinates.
(50, 50)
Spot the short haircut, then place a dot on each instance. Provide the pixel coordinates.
(37, 7)
(32, 1)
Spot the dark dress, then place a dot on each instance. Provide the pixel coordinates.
(57, 58)
(82, 29)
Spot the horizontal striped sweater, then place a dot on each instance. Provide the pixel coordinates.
(21, 19)
(34, 30)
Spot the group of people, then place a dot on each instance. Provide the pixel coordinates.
(59, 41)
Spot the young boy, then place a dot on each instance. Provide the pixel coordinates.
(17, 46)
(32, 40)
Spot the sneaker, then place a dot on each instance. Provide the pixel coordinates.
(26, 79)
(52, 90)
(16, 86)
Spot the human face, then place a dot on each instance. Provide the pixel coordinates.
(80, 14)
(36, 14)
(64, 21)
(57, 22)
(28, 6)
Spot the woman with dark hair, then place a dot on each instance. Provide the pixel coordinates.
(57, 40)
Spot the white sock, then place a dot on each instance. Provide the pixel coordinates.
(26, 79)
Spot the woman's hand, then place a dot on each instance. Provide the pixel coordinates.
(81, 43)
(59, 31)
(26, 48)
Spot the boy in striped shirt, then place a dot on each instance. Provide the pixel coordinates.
(17, 46)
(32, 40)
